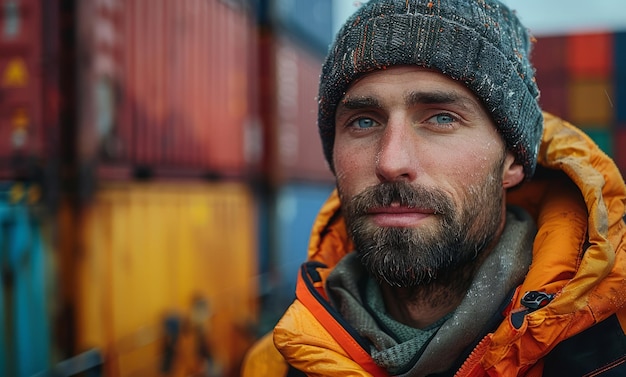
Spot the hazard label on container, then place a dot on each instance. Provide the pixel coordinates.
(15, 75)
(20, 118)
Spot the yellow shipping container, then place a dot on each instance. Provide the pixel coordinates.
(590, 103)
(152, 251)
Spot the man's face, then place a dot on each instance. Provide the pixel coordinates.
(421, 172)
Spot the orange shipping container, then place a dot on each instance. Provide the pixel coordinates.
(150, 252)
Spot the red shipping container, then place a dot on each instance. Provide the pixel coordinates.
(297, 72)
(166, 85)
(23, 133)
(549, 55)
(554, 96)
(590, 55)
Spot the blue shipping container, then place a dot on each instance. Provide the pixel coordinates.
(309, 21)
(619, 53)
(298, 205)
(25, 339)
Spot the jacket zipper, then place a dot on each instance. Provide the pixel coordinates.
(471, 366)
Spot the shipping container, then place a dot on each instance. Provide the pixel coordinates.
(298, 206)
(550, 54)
(294, 38)
(300, 148)
(619, 53)
(27, 280)
(619, 142)
(619, 46)
(603, 137)
(590, 55)
(309, 22)
(165, 277)
(619, 98)
(590, 102)
(554, 95)
(28, 120)
(165, 87)
(549, 57)
(288, 221)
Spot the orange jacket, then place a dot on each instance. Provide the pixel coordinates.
(578, 200)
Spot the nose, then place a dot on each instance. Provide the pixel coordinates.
(396, 158)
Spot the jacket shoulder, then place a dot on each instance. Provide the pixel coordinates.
(308, 346)
(264, 360)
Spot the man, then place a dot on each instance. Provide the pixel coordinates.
(470, 234)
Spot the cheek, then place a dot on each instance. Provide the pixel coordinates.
(466, 171)
(344, 164)
(346, 154)
(352, 167)
(476, 159)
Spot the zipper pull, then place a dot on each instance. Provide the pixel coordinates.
(534, 300)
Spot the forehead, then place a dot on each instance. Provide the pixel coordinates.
(410, 77)
(414, 85)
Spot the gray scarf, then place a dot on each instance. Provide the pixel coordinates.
(503, 270)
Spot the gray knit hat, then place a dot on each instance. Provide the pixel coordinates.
(480, 43)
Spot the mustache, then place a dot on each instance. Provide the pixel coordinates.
(404, 194)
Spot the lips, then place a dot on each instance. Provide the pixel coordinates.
(399, 216)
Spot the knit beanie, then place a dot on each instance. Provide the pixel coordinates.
(480, 43)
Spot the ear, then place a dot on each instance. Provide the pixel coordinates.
(512, 171)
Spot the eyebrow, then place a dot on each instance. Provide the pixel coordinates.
(412, 99)
(357, 103)
(348, 104)
(440, 97)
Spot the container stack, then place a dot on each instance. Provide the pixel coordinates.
(161, 169)
(582, 79)
(160, 239)
(295, 36)
(619, 42)
(131, 152)
(28, 160)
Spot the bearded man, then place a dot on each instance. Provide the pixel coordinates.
(470, 234)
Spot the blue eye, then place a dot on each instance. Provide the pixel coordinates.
(364, 123)
(444, 118)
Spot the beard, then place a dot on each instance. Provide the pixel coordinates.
(444, 253)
